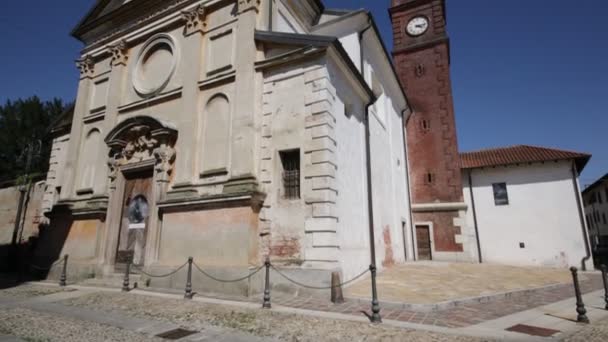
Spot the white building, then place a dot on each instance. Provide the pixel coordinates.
(595, 197)
(526, 206)
(230, 131)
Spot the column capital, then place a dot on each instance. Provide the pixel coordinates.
(245, 5)
(119, 52)
(196, 20)
(86, 65)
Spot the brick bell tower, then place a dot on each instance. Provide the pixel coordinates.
(422, 58)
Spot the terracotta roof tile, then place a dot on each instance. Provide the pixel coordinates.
(519, 154)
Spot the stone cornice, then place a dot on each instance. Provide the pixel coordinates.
(431, 207)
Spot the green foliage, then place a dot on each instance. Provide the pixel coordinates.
(21, 123)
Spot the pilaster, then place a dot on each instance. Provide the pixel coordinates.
(194, 23)
(120, 55)
(86, 65)
(320, 165)
(243, 123)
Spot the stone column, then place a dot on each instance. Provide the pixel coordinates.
(195, 23)
(87, 70)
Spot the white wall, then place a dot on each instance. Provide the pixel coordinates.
(542, 213)
(596, 213)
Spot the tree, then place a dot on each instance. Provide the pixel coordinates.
(23, 122)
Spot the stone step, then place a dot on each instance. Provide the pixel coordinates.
(114, 280)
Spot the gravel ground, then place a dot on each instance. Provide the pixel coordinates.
(40, 327)
(284, 327)
(29, 291)
(597, 331)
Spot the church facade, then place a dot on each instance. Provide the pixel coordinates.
(230, 131)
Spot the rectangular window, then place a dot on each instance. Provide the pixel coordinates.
(604, 218)
(501, 196)
(291, 173)
(599, 197)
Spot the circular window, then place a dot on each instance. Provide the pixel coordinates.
(155, 65)
(138, 210)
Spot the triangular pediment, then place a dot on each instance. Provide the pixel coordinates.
(99, 9)
(112, 5)
(107, 16)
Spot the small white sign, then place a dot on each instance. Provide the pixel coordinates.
(137, 226)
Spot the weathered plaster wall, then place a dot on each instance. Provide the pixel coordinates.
(225, 237)
(9, 202)
(542, 213)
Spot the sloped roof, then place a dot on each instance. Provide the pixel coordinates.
(518, 155)
(595, 184)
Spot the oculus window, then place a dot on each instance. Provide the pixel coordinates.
(501, 196)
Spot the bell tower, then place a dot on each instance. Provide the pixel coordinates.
(422, 59)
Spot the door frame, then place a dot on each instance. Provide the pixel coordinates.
(115, 210)
(431, 238)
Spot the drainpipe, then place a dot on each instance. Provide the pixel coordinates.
(581, 216)
(375, 316)
(407, 184)
(475, 217)
(270, 14)
(368, 166)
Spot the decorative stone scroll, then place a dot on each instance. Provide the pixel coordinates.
(120, 53)
(196, 20)
(142, 139)
(86, 65)
(245, 5)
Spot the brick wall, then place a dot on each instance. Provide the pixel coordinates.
(423, 65)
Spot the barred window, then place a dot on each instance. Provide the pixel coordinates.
(291, 173)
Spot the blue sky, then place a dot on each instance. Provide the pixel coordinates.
(523, 72)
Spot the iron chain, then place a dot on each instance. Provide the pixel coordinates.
(162, 275)
(38, 268)
(228, 281)
(318, 287)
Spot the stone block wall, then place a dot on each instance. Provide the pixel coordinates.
(311, 238)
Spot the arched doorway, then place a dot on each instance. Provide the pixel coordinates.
(141, 161)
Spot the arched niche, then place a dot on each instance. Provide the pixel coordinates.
(216, 136)
(87, 161)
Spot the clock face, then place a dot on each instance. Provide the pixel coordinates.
(417, 26)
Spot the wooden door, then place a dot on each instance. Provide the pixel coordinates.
(423, 242)
(134, 220)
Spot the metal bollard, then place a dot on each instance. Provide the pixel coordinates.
(375, 318)
(125, 282)
(580, 306)
(605, 279)
(188, 294)
(267, 304)
(64, 277)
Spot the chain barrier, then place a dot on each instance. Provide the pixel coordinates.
(228, 281)
(38, 268)
(318, 287)
(161, 275)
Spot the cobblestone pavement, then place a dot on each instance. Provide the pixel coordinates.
(29, 291)
(41, 327)
(461, 316)
(433, 282)
(258, 322)
(596, 332)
